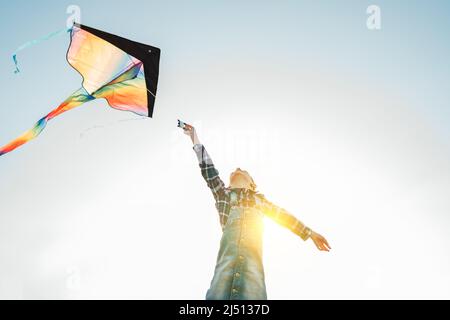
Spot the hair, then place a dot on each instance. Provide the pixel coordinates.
(253, 185)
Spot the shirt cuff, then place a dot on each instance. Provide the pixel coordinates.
(200, 152)
(306, 234)
(197, 147)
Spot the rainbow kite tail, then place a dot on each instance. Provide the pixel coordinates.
(76, 99)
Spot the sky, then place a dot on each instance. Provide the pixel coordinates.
(346, 127)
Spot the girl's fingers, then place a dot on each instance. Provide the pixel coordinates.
(326, 242)
(318, 245)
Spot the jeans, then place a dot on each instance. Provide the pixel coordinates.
(239, 272)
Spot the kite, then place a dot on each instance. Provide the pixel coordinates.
(123, 72)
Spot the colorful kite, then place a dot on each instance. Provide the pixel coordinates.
(122, 71)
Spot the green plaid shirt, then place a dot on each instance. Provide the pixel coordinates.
(245, 198)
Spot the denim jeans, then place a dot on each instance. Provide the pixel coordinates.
(239, 272)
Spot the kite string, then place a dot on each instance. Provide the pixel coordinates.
(35, 42)
(100, 126)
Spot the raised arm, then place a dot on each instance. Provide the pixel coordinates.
(287, 220)
(208, 170)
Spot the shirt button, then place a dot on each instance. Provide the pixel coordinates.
(237, 274)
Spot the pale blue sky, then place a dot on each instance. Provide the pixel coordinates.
(409, 56)
(362, 116)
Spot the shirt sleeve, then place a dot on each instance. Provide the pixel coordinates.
(209, 171)
(284, 218)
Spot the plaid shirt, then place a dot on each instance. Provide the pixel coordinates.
(245, 198)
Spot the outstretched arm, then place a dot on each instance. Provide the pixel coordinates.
(287, 220)
(208, 170)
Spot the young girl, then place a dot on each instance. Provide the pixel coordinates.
(239, 272)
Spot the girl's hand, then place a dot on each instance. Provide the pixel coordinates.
(190, 131)
(320, 242)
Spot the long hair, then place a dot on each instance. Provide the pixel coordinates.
(253, 185)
